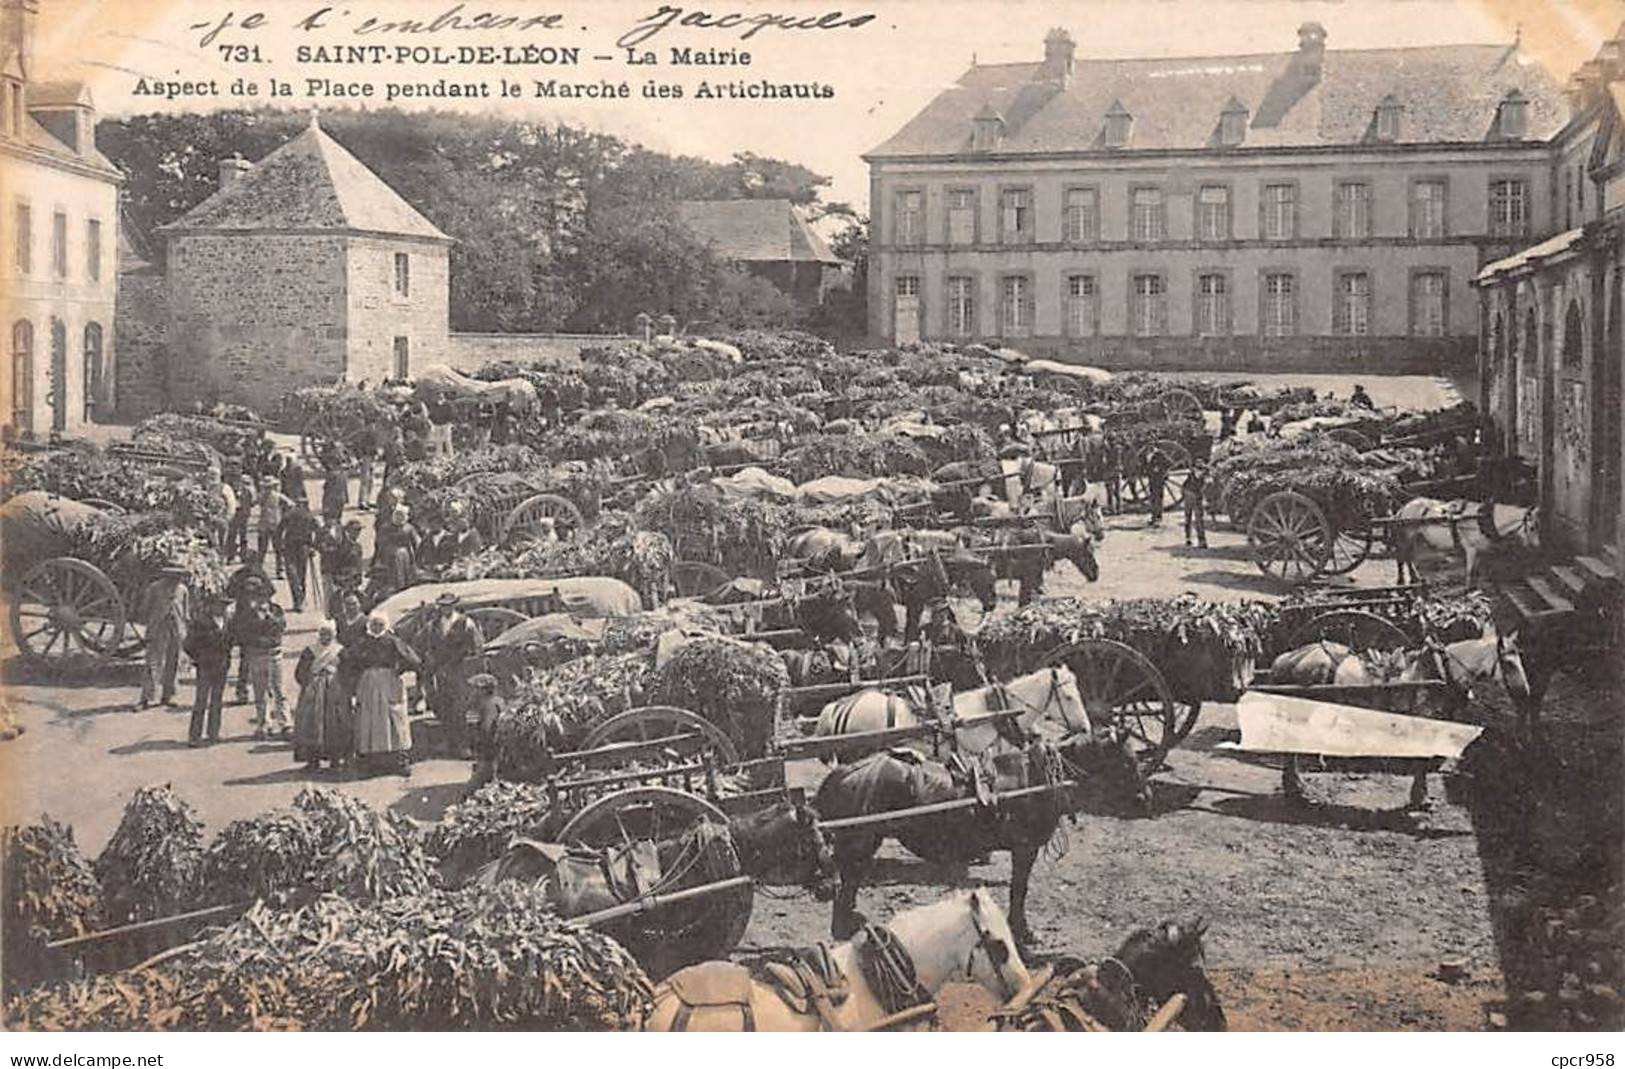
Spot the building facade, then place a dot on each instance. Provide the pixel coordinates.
(1553, 352)
(305, 268)
(1314, 209)
(770, 240)
(58, 257)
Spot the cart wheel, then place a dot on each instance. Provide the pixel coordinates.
(1355, 628)
(1152, 410)
(1351, 437)
(1181, 404)
(701, 929)
(1187, 721)
(1290, 536)
(66, 610)
(696, 578)
(1351, 546)
(493, 620)
(535, 516)
(1173, 488)
(1121, 686)
(662, 721)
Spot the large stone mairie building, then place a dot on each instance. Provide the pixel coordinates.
(301, 269)
(58, 227)
(1306, 209)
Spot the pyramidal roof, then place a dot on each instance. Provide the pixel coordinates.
(310, 183)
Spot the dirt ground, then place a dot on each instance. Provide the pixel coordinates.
(1337, 914)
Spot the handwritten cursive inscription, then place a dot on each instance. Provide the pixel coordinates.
(749, 25)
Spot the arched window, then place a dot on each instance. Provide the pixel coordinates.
(94, 389)
(22, 376)
(1573, 337)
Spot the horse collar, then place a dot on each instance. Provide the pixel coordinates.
(889, 970)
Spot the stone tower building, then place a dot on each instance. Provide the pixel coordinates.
(301, 269)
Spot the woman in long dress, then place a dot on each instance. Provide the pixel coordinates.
(321, 719)
(377, 663)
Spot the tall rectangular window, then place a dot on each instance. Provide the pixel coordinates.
(59, 244)
(1081, 219)
(1212, 304)
(1016, 216)
(1082, 307)
(1428, 315)
(25, 239)
(1509, 207)
(961, 307)
(907, 303)
(1147, 217)
(93, 249)
(1351, 314)
(1280, 311)
(909, 227)
(1148, 306)
(403, 274)
(1353, 216)
(1213, 213)
(962, 217)
(403, 359)
(1280, 209)
(1015, 305)
(1427, 208)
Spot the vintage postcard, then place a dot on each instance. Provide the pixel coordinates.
(1070, 515)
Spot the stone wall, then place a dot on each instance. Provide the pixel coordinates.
(142, 372)
(254, 316)
(379, 314)
(1368, 355)
(465, 352)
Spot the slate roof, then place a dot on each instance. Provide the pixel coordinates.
(1449, 94)
(38, 137)
(754, 231)
(310, 183)
(1552, 246)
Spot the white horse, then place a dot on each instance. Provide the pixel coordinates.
(1049, 703)
(964, 938)
(1463, 527)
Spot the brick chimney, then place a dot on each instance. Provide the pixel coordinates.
(232, 171)
(1311, 57)
(1058, 52)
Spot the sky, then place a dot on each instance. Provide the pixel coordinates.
(882, 72)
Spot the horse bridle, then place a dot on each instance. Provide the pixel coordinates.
(998, 953)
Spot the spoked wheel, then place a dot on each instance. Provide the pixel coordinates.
(1351, 546)
(493, 620)
(1121, 686)
(1290, 536)
(696, 578)
(1173, 487)
(1355, 628)
(648, 722)
(65, 611)
(1187, 721)
(1181, 404)
(632, 823)
(540, 517)
(1152, 410)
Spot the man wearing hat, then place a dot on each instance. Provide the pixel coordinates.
(487, 708)
(342, 558)
(257, 626)
(297, 535)
(166, 610)
(210, 649)
(450, 639)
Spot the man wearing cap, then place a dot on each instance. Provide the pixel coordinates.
(273, 503)
(342, 558)
(257, 626)
(210, 649)
(297, 534)
(450, 639)
(166, 610)
(487, 708)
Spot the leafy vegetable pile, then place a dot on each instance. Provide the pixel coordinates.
(733, 684)
(172, 432)
(479, 958)
(478, 829)
(788, 345)
(855, 455)
(1332, 474)
(558, 706)
(613, 547)
(51, 892)
(742, 535)
(150, 867)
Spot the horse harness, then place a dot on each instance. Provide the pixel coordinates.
(1099, 997)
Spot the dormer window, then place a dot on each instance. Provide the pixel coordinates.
(986, 130)
(1119, 125)
(1387, 121)
(1233, 123)
(1512, 116)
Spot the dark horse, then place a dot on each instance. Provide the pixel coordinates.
(922, 584)
(1041, 548)
(900, 779)
(1124, 991)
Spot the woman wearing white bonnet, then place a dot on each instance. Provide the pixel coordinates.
(377, 663)
(321, 719)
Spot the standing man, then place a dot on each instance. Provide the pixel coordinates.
(1156, 482)
(488, 707)
(335, 490)
(210, 650)
(450, 638)
(257, 627)
(297, 536)
(1113, 478)
(1195, 504)
(342, 561)
(293, 480)
(166, 609)
(366, 456)
(272, 504)
(237, 533)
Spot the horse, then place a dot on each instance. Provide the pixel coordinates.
(1467, 527)
(902, 779)
(876, 601)
(824, 549)
(923, 567)
(780, 845)
(1049, 703)
(1460, 665)
(853, 985)
(1039, 549)
(1124, 992)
